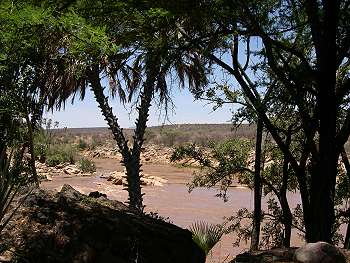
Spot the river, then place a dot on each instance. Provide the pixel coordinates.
(174, 201)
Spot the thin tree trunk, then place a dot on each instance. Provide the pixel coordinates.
(347, 168)
(254, 245)
(133, 168)
(117, 132)
(31, 148)
(287, 214)
(130, 157)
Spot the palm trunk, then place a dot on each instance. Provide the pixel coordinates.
(130, 157)
(133, 168)
(254, 245)
(117, 131)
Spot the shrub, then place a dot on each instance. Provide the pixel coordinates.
(96, 141)
(43, 138)
(82, 145)
(168, 137)
(86, 165)
(61, 153)
(15, 176)
(206, 235)
(53, 160)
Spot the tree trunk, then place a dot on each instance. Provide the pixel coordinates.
(324, 36)
(324, 176)
(133, 168)
(30, 144)
(347, 168)
(130, 157)
(287, 214)
(117, 131)
(254, 245)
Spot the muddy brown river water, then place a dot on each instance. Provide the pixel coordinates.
(173, 200)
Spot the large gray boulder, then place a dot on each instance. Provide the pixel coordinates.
(68, 227)
(320, 252)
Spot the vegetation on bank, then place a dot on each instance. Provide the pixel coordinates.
(293, 86)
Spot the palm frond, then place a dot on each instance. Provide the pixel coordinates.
(206, 235)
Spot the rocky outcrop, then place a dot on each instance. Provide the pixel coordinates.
(151, 153)
(119, 178)
(320, 252)
(71, 227)
(45, 172)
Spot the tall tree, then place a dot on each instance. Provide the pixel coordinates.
(305, 47)
(135, 49)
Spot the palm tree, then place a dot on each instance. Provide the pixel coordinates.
(140, 66)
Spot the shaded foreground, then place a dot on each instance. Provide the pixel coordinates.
(68, 226)
(320, 252)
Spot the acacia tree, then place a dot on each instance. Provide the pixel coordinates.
(230, 160)
(305, 48)
(223, 94)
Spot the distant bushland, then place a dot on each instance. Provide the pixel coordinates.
(167, 135)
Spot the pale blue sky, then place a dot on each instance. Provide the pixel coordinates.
(87, 114)
(187, 110)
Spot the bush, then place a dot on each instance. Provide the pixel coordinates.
(168, 137)
(206, 235)
(61, 153)
(86, 165)
(53, 160)
(15, 176)
(96, 141)
(82, 145)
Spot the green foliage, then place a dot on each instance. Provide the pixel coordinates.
(14, 175)
(82, 144)
(206, 235)
(220, 164)
(241, 224)
(61, 153)
(86, 165)
(53, 160)
(168, 137)
(15, 172)
(43, 138)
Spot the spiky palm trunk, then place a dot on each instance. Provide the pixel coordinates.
(130, 157)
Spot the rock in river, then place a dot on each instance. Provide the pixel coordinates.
(71, 227)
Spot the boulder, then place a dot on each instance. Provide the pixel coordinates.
(71, 169)
(274, 255)
(68, 226)
(97, 194)
(320, 252)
